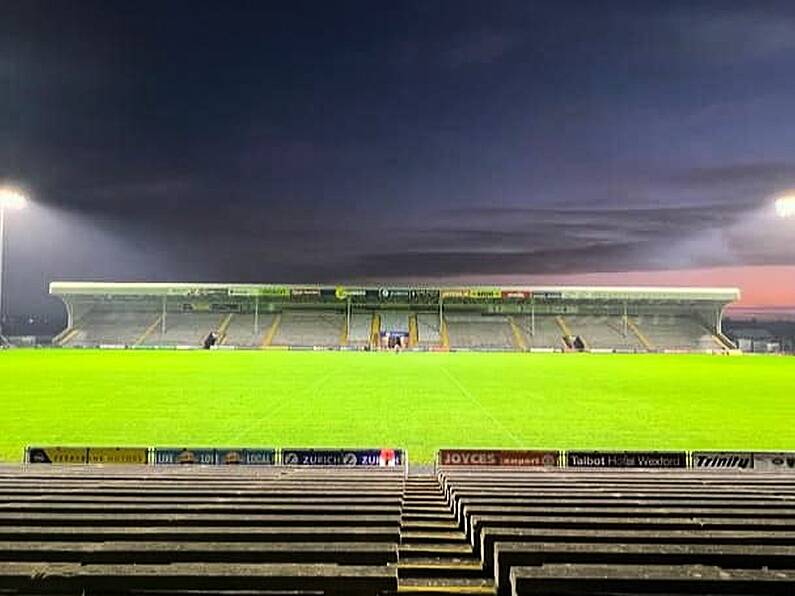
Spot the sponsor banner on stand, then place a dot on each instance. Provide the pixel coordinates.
(753, 461)
(305, 292)
(626, 459)
(244, 291)
(722, 460)
(395, 294)
(484, 293)
(455, 293)
(774, 462)
(515, 294)
(118, 455)
(245, 457)
(343, 457)
(57, 455)
(184, 456)
(547, 295)
(275, 291)
(342, 293)
(498, 457)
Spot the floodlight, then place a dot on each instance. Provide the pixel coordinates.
(785, 206)
(11, 198)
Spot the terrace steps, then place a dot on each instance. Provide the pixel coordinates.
(434, 556)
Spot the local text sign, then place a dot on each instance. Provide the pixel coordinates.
(495, 457)
(626, 459)
(246, 457)
(342, 457)
(211, 457)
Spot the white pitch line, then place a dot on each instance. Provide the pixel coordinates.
(479, 404)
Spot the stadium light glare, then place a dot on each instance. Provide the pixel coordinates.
(11, 198)
(785, 206)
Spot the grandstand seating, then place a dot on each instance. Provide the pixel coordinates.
(185, 329)
(395, 320)
(240, 331)
(547, 333)
(629, 532)
(198, 531)
(669, 332)
(428, 329)
(475, 331)
(334, 531)
(359, 332)
(309, 328)
(110, 328)
(604, 333)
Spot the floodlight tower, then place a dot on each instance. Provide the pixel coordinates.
(13, 200)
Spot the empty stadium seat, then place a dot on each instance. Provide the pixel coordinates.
(359, 332)
(96, 530)
(676, 333)
(428, 329)
(110, 328)
(539, 532)
(475, 331)
(310, 328)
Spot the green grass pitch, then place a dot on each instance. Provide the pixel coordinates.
(420, 401)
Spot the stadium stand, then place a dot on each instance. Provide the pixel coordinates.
(191, 530)
(397, 321)
(359, 332)
(480, 318)
(605, 333)
(309, 328)
(184, 329)
(241, 330)
(677, 333)
(626, 532)
(547, 335)
(475, 331)
(428, 330)
(465, 530)
(109, 328)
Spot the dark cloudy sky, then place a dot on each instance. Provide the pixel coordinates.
(346, 141)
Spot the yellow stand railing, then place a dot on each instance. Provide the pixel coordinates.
(518, 338)
(149, 330)
(268, 339)
(640, 335)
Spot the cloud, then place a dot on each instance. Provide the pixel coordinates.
(768, 173)
(486, 241)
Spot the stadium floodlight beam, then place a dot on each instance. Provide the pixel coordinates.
(11, 199)
(785, 206)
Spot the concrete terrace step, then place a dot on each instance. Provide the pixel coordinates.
(443, 537)
(440, 508)
(449, 567)
(434, 555)
(424, 549)
(425, 525)
(461, 586)
(446, 514)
